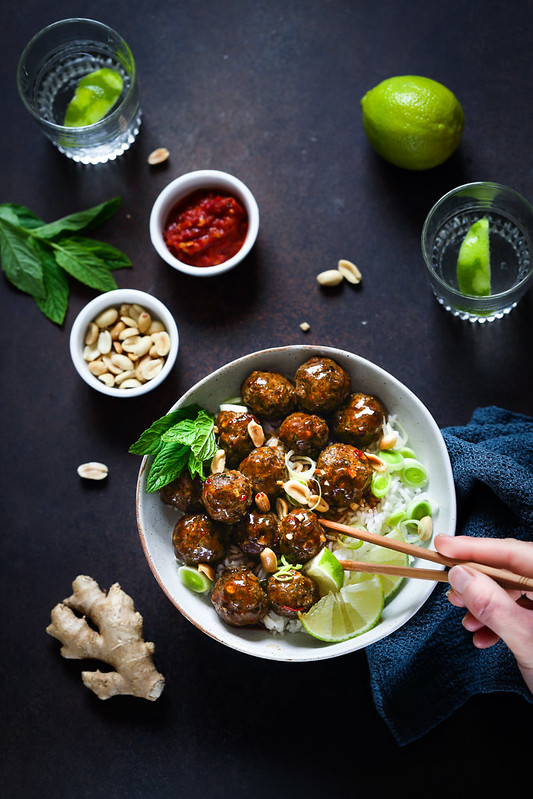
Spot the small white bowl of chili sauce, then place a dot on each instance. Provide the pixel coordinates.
(204, 223)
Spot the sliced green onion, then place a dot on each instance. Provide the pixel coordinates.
(407, 452)
(414, 473)
(396, 427)
(306, 466)
(194, 580)
(380, 484)
(350, 543)
(409, 527)
(395, 518)
(392, 458)
(419, 507)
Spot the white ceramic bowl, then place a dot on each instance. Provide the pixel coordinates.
(177, 190)
(114, 299)
(156, 520)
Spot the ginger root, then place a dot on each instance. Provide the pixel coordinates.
(118, 640)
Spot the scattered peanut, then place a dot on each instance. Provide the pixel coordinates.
(297, 491)
(425, 529)
(349, 271)
(262, 502)
(93, 470)
(158, 156)
(256, 433)
(207, 569)
(269, 561)
(377, 463)
(218, 463)
(305, 326)
(330, 277)
(125, 347)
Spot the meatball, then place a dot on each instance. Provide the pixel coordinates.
(256, 531)
(344, 473)
(198, 539)
(227, 495)
(295, 593)
(359, 420)
(269, 394)
(321, 385)
(301, 536)
(239, 598)
(304, 433)
(265, 468)
(183, 493)
(233, 436)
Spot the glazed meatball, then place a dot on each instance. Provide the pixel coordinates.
(301, 536)
(295, 593)
(265, 468)
(321, 385)
(238, 597)
(256, 531)
(183, 493)
(359, 420)
(344, 473)
(233, 436)
(227, 495)
(269, 394)
(304, 433)
(198, 539)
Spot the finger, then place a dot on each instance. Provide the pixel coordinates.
(492, 606)
(508, 553)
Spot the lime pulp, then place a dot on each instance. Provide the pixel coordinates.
(95, 95)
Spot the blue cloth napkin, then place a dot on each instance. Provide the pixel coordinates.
(429, 668)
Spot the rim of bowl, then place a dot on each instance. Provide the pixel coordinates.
(180, 188)
(99, 304)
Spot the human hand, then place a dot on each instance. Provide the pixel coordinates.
(493, 612)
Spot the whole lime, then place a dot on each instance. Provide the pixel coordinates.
(413, 122)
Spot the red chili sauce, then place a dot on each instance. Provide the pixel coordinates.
(206, 228)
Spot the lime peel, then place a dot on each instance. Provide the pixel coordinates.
(473, 262)
(95, 95)
(343, 615)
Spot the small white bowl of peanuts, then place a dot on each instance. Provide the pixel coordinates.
(124, 343)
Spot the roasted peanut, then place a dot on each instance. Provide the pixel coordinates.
(125, 347)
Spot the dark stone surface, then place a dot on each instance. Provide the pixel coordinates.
(270, 92)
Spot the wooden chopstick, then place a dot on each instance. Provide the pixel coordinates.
(503, 577)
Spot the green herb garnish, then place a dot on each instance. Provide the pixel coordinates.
(182, 439)
(37, 258)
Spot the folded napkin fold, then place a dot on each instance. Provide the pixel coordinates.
(429, 668)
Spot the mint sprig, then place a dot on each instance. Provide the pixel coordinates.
(38, 258)
(182, 439)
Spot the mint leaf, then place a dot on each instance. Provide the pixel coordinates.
(20, 260)
(85, 267)
(21, 215)
(83, 220)
(54, 304)
(168, 464)
(182, 438)
(149, 442)
(34, 255)
(111, 257)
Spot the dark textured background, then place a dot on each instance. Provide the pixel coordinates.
(270, 92)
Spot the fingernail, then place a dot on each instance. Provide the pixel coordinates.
(459, 578)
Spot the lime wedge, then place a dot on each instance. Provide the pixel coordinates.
(96, 93)
(373, 553)
(339, 616)
(326, 571)
(473, 263)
